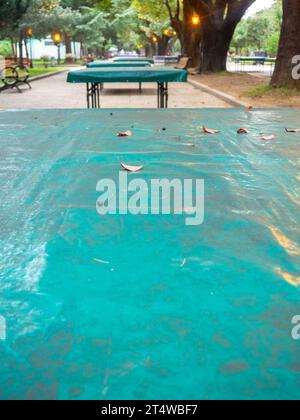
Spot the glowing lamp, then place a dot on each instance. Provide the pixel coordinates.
(196, 20)
(57, 38)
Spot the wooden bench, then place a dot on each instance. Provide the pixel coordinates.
(183, 63)
(14, 76)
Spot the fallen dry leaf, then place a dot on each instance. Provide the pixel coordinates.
(183, 263)
(100, 261)
(272, 137)
(243, 131)
(130, 168)
(295, 130)
(125, 134)
(209, 131)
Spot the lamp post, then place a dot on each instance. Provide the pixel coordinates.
(57, 41)
(196, 20)
(30, 34)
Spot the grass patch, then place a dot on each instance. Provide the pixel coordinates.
(40, 71)
(267, 90)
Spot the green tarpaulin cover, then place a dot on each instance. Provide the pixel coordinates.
(136, 59)
(113, 75)
(99, 64)
(145, 307)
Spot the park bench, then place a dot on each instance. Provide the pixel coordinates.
(13, 75)
(183, 63)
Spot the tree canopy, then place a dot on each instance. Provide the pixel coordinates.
(205, 30)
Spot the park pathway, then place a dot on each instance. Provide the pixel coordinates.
(54, 92)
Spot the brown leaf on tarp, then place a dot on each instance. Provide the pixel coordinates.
(272, 137)
(189, 144)
(249, 109)
(127, 133)
(131, 168)
(243, 131)
(293, 130)
(210, 131)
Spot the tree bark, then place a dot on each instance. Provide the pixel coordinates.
(284, 76)
(68, 44)
(21, 59)
(214, 48)
(13, 48)
(219, 19)
(27, 52)
(191, 35)
(176, 21)
(163, 45)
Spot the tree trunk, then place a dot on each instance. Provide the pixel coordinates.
(284, 75)
(68, 43)
(148, 51)
(13, 48)
(191, 36)
(214, 48)
(21, 60)
(163, 44)
(27, 52)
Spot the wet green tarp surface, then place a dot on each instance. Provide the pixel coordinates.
(118, 75)
(145, 307)
(99, 64)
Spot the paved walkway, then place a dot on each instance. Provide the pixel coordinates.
(54, 92)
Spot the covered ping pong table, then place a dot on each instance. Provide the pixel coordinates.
(102, 307)
(94, 77)
(134, 59)
(112, 64)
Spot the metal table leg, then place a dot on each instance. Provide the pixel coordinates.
(93, 95)
(162, 95)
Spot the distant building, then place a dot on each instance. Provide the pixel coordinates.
(46, 47)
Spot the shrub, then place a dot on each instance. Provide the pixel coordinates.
(46, 60)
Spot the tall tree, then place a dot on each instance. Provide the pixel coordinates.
(219, 19)
(289, 47)
(208, 43)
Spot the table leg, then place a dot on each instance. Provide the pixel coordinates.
(162, 95)
(88, 95)
(93, 95)
(140, 88)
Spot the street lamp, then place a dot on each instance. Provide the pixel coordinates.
(196, 20)
(154, 39)
(29, 33)
(57, 41)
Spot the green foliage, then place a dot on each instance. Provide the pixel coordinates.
(124, 24)
(5, 48)
(259, 32)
